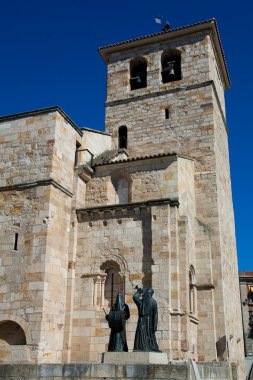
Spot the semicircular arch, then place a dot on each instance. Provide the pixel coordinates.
(21, 322)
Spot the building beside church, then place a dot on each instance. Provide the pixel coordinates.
(85, 214)
(246, 290)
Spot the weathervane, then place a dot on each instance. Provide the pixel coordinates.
(165, 26)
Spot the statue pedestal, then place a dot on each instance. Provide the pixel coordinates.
(135, 358)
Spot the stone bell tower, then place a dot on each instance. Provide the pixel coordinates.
(165, 94)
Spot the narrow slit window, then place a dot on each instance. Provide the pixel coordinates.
(16, 242)
(167, 113)
(123, 137)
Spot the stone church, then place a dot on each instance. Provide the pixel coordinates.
(86, 214)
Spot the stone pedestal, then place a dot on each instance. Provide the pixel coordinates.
(135, 358)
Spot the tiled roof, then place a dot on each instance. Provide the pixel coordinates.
(156, 34)
(107, 162)
(105, 157)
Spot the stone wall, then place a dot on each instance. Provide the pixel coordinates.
(148, 179)
(35, 210)
(125, 239)
(97, 142)
(94, 371)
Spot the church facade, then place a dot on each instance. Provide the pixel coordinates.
(86, 214)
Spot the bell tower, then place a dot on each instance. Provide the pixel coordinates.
(167, 90)
(181, 70)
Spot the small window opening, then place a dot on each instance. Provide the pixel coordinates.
(138, 73)
(171, 67)
(123, 137)
(192, 291)
(167, 113)
(78, 145)
(16, 242)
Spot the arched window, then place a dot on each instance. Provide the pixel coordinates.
(78, 145)
(192, 291)
(114, 282)
(171, 66)
(123, 137)
(11, 333)
(138, 73)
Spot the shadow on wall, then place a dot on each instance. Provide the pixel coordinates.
(11, 333)
(221, 347)
(147, 260)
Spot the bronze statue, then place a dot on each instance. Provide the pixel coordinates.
(116, 318)
(145, 339)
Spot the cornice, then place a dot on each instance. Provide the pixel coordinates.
(99, 211)
(40, 112)
(28, 185)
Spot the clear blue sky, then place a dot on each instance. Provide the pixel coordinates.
(49, 57)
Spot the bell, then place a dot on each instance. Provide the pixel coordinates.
(170, 68)
(138, 79)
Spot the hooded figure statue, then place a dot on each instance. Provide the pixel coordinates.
(116, 318)
(145, 339)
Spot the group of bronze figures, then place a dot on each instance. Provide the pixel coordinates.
(145, 339)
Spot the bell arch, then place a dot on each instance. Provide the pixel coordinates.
(171, 65)
(138, 73)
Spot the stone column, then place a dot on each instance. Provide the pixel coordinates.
(95, 299)
(102, 300)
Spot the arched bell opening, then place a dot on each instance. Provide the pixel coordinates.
(11, 333)
(114, 283)
(171, 66)
(138, 73)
